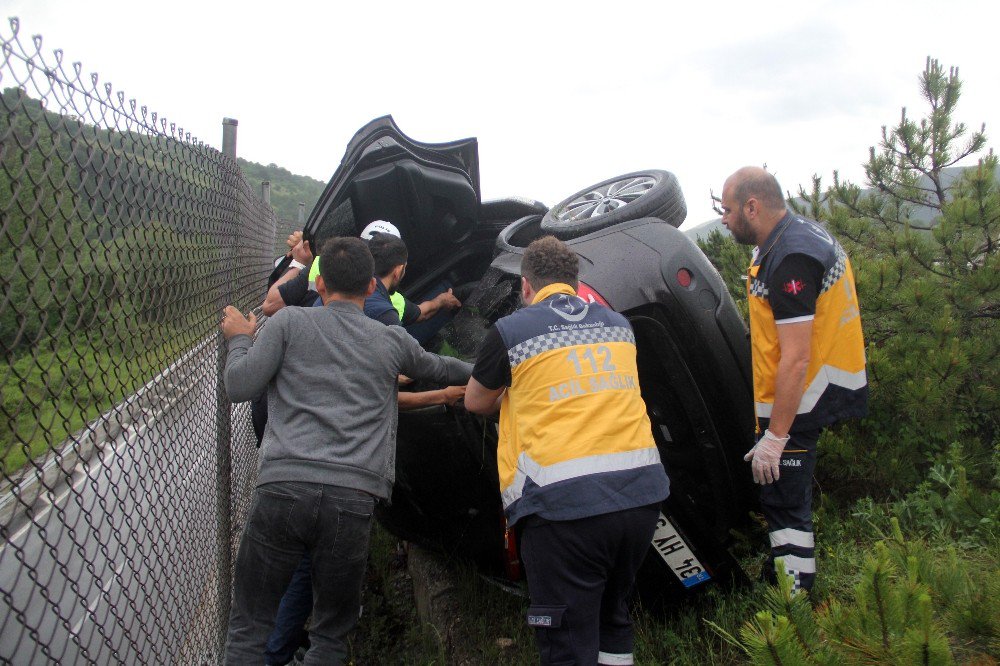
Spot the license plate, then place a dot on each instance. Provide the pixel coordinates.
(676, 553)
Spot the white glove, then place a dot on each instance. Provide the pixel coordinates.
(766, 457)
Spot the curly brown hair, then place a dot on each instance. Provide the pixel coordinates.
(548, 260)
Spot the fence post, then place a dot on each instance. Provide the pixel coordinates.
(265, 192)
(223, 443)
(302, 215)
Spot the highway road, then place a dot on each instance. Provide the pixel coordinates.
(117, 561)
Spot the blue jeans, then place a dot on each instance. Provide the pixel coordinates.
(288, 520)
(290, 624)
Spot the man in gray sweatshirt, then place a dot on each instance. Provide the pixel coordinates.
(328, 451)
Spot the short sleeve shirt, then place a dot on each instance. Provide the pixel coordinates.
(492, 368)
(411, 312)
(379, 307)
(793, 288)
(296, 291)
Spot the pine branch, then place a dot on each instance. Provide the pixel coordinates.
(929, 267)
(990, 311)
(792, 606)
(880, 603)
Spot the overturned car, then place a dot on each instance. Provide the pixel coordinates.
(693, 352)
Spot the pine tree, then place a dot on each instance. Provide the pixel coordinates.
(889, 620)
(731, 260)
(925, 244)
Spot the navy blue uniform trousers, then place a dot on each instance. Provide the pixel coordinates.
(580, 575)
(787, 507)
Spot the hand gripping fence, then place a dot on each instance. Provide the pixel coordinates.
(124, 471)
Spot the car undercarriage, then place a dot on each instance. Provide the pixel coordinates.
(693, 352)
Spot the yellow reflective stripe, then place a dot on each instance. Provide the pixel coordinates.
(543, 475)
(313, 272)
(399, 303)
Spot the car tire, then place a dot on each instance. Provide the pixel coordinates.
(653, 193)
(518, 234)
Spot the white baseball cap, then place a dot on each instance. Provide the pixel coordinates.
(380, 227)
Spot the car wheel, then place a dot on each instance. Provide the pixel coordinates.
(652, 193)
(518, 234)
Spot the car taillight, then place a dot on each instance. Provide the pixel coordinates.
(684, 278)
(587, 293)
(511, 555)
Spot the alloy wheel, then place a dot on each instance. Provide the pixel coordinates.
(604, 199)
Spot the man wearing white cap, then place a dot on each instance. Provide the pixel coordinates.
(297, 285)
(409, 312)
(379, 227)
(391, 257)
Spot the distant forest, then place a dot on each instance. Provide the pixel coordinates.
(118, 247)
(121, 219)
(287, 188)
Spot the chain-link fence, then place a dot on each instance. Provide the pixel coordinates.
(123, 470)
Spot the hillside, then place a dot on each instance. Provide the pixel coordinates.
(287, 188)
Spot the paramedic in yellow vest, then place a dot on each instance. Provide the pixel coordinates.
(579, 471)
(807, 350)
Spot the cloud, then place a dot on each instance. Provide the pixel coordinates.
(807, 71)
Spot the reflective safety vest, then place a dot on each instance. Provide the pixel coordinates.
(398, 302)
(313, 273)
(836, 384)
(575, 440)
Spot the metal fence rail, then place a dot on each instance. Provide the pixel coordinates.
(122, 469)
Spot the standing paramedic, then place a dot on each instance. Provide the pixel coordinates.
(579, 471)
(328, 452)
(808, 355)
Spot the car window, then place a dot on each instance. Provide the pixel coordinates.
(338, 221)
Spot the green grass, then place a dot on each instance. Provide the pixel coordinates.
(965, 584)
(492, 622)
(490, 626)
(57, 388)
(681, 635)
(389, 631)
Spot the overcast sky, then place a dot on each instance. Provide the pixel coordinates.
(560, 95)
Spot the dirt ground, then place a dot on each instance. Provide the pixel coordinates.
(420, 611)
